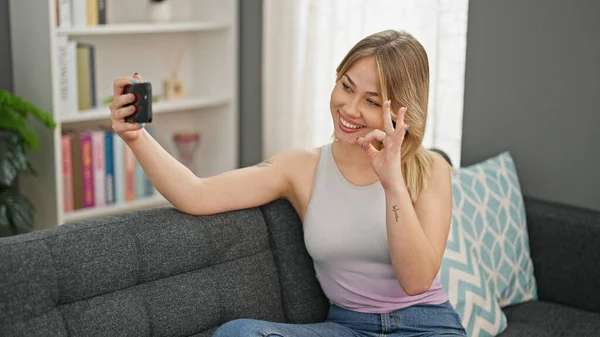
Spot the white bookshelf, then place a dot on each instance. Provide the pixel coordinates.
(130, 29)
(207, 32)
(192, 103)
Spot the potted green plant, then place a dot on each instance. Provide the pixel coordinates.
(17, 139)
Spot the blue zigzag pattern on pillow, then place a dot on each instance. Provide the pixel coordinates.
(468, 286)
(471, 295)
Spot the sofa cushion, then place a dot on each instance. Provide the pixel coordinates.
(490, 199)
(539, 318)
(564, 248)
(28, 291)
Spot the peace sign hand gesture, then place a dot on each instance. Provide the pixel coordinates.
(387, 161)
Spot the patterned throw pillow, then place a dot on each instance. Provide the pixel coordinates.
(489, 227)
(465, 282)
(490, 194)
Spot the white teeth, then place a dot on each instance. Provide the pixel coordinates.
(349, 125)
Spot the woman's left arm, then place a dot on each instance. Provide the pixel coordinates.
(417, 233)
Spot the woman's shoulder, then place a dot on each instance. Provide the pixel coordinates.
(300, 165)
(440, 160)
(439, 173)
(440, 167)
(299, 158)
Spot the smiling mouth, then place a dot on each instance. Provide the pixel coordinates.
(348, 126)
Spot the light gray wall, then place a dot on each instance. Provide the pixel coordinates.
(250, 82)
(533, 88)
(6, 79)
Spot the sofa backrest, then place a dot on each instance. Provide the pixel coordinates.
(158, 272)
(565, 251)
(302, 298)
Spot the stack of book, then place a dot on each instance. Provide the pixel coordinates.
(77, 76)
(79, 13)
(99, 169)
(77, 59)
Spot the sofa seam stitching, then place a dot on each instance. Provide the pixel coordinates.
(279, 276)
(139, 277)
(56, 304)
(162, 278)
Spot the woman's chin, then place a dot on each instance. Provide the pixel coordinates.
(347, 137)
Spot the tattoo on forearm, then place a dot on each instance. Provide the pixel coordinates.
(395, 209)
(265, 163)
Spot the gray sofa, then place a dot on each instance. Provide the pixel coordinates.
(164, 273)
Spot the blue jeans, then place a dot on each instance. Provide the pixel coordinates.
(417, 320)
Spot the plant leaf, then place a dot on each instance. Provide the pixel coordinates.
(11, 121)
(31, 170)
(24, 108)
(13, 158)
(19, 210)
(14, 111)
(3, 216)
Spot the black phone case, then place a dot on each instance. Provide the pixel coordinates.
(142, 102)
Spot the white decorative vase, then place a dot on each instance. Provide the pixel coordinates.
(159, 11)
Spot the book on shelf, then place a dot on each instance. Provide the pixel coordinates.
(99, 169)
(86, 76)
(80, 13)
(77, 76)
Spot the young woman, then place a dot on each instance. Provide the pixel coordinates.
(375, 204)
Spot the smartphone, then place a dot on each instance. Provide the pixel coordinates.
(142, 102)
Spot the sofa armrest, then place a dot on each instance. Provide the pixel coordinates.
(156, 271)
(565, 250)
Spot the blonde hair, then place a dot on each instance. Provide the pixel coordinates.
(403, 69)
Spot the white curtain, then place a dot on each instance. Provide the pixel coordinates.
(304, 40)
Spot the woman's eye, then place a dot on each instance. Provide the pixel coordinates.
(346, 87)
(373, 103)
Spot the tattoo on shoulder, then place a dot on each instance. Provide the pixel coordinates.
(265, 163)
(396, 210)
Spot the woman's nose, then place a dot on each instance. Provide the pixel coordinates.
(351, 109)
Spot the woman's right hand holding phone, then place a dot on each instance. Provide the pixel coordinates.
(236, 189)
(118, 109)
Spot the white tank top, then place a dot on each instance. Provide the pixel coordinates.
(345, 234)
